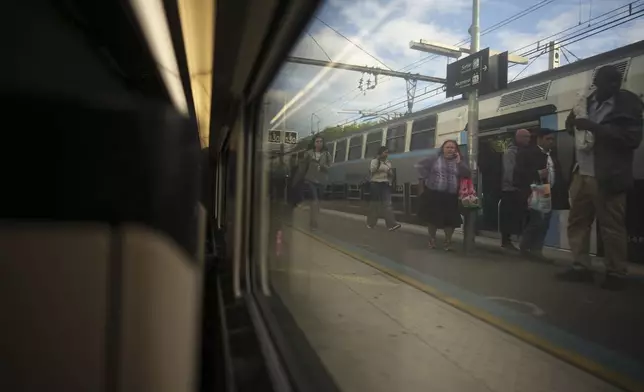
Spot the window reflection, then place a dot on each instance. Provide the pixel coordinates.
(380, 308)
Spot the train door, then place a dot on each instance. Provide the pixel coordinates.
(491, 150)
(492, 146)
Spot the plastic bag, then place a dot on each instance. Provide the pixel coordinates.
(467, 194)
(584, 140)
(540, 199)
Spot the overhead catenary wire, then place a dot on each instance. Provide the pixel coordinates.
(628, 8)
(571, 39)
(619, 10)
(419, 62)
(353, 43)
(571, 53)
(320, 46)
(563, 52)
(436, 91)
(526, 67)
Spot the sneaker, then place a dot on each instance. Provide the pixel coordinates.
(370, 227)
(395, 227)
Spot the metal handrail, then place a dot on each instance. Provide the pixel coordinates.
(498, 216)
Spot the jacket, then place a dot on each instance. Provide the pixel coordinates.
(308, 168)
(381, 171)
(528, 162)
(618, 135)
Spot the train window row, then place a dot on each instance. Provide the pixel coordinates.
(365, 145)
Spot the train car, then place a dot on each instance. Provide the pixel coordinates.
(541, 100)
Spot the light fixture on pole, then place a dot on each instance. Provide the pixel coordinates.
(436, 48)
(455, 52)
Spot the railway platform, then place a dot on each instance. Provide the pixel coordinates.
(596, 330)
(375, 332)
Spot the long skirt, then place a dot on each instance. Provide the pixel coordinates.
(440, 209)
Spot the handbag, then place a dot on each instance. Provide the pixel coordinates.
(467, 194)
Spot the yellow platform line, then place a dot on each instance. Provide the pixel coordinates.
(568, 356)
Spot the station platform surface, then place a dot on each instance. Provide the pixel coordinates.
(374, 332)
(595, 329)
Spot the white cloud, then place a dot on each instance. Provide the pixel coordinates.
(384, 29)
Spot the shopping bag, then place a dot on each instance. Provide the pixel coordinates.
(584, 140)
(540, 199)
(467, 194)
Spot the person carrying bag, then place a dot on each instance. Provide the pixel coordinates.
(381, 177)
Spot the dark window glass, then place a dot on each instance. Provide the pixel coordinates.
(374, 141)
(340, 151)
(355, 148)
(329, 147)
(396, 139)
(423, 132)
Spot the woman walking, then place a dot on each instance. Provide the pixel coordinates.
(380, 189)
(313, 171)
(438, 203)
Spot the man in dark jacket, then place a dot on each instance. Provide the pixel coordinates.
(538, 164)
(602, 174)
(513, 206)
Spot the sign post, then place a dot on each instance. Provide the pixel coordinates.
(473, 123)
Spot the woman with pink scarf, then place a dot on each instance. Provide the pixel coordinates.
(440, 176)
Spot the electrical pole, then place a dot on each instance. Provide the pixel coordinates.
(282, 137)
(473, 135)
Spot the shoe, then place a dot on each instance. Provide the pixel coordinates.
(432, 243)
(509, 246)
(395, 227)
(579, 275)
(539, 258)
(447, 246)
(370, 227)
(613, 281)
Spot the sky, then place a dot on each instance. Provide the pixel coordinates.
(306, 98)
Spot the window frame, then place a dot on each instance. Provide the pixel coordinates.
(424, 129)
(345, 142)
(402, 136)
(377, 142)
(352, 147)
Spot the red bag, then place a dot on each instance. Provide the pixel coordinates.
(466, 188)
(467, 194)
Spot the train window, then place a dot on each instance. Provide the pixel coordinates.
(423, 133)
(385, 307)
(340, 151)
(329, 147)
(374, 141)
(396, 138)
(355, 148)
